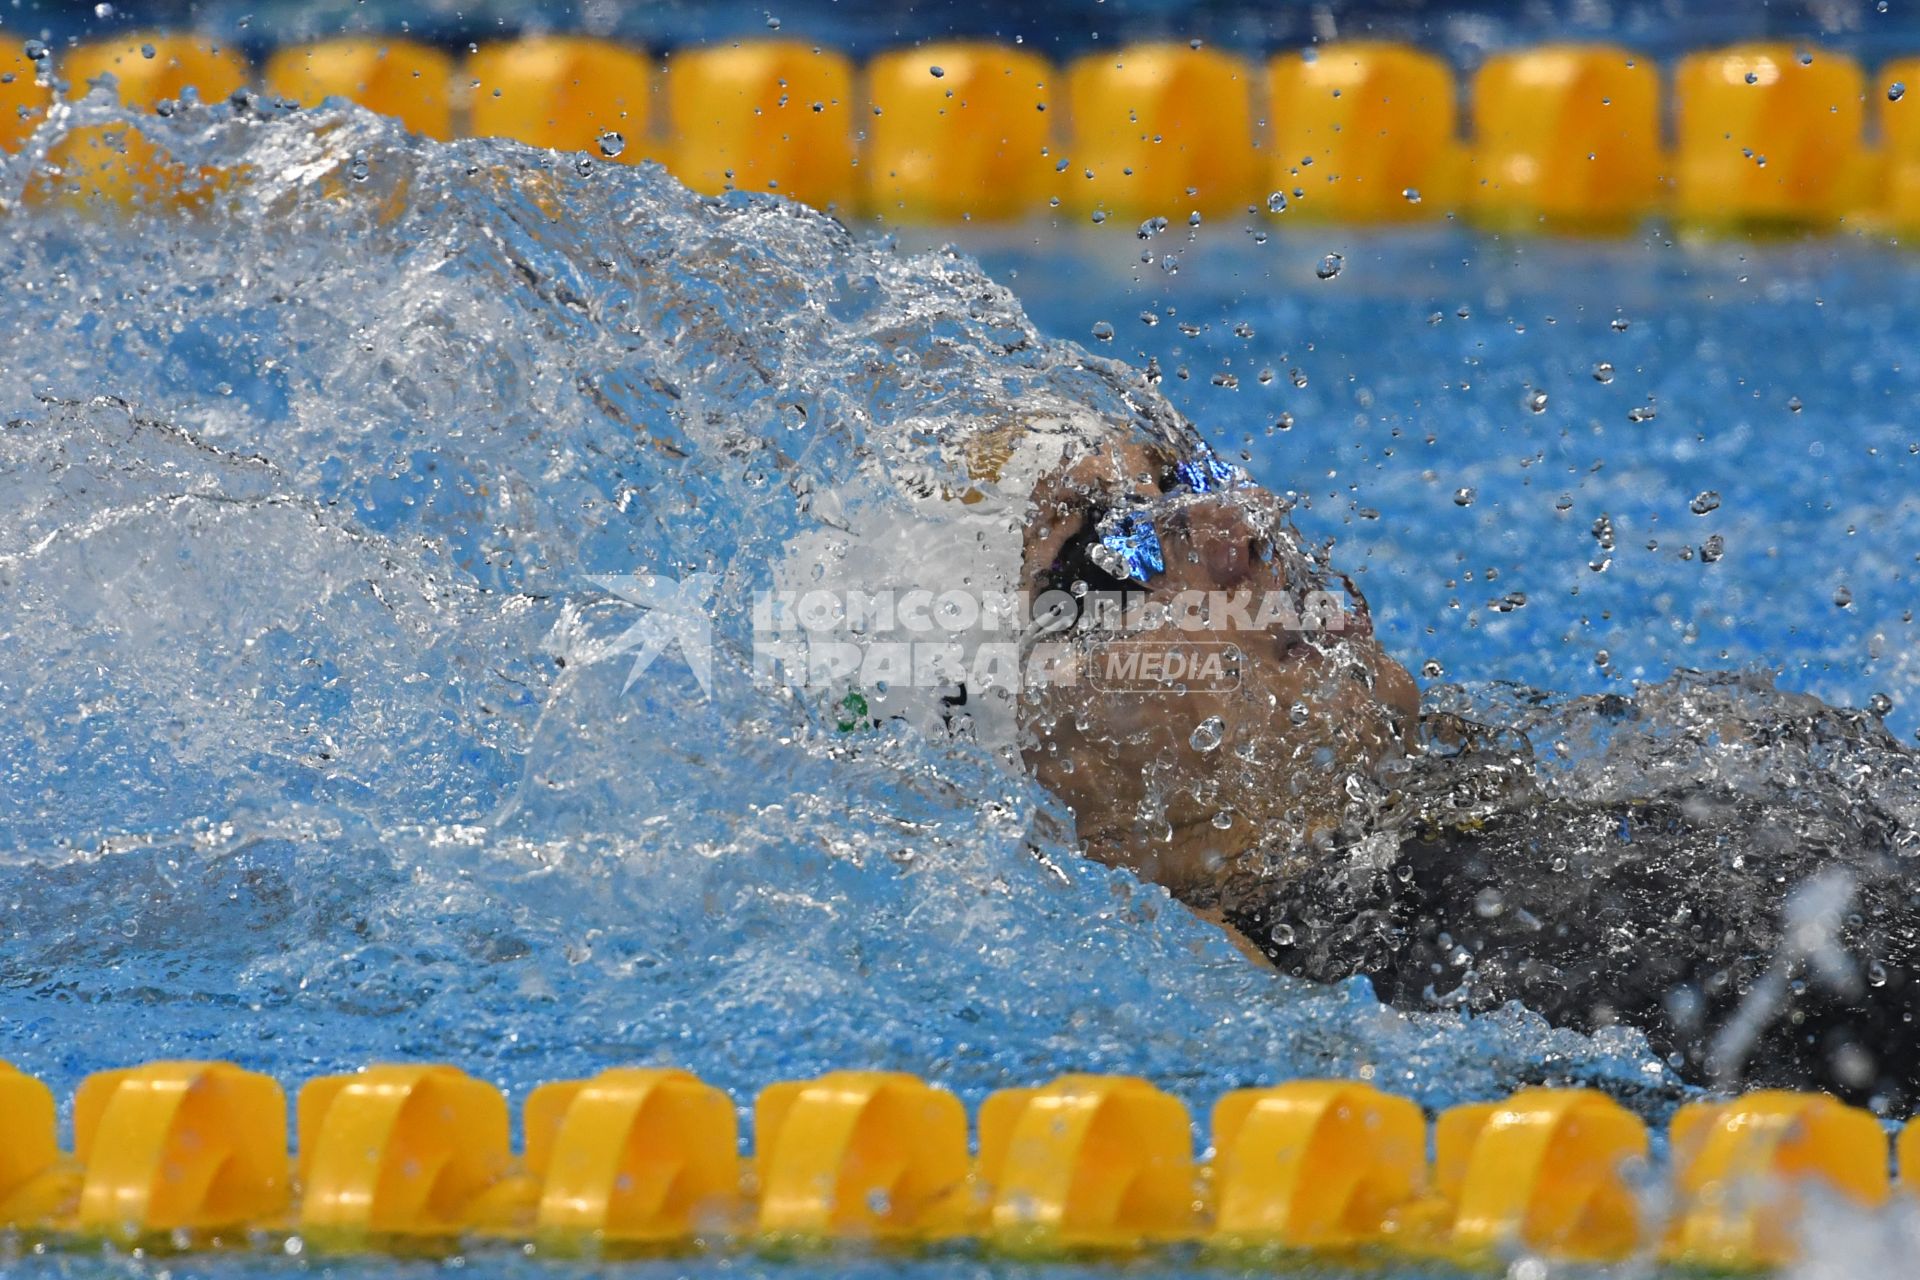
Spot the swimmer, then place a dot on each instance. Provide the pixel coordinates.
(1335, 831)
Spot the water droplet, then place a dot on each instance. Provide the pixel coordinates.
(1537, 401)
(1620, 324)
(612, 144)
(1103, 331)
(1603, 372)
(1193, 219)
(1432, 669)
(357, 168)
(584, 166)
(1277, 202)
(1330, 266)
(1207, 734)
(1463, 497)
(1713, 548)
(773, 23)
(1880, 705)
(1152, 227)
(103, 11)
(1282, 935)
(1705, 501)
(1298, 377)
(1411, 195)
(1299, 713)
(1753, 77)
(148, 51)
(937, 73)
(1099, 216)
(1284, 422)
(1843, 596)
(1223, 819)
(36, 50)
(1896, 91)
(1602, 658)
(1794, 405)
(1150, 318)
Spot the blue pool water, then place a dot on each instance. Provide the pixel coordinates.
(1782, 379)
(302, 496)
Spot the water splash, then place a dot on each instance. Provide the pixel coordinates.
(297, 485)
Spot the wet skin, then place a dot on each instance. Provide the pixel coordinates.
(1312, 706)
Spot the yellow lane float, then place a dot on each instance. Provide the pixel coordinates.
(1161, 130)
(1769, 135)
(959, 130)
(1568, 135)
(23, 99)
(634, 1155)
(772, 115)
(1316, 1164)
(119, 164)
(412, 1157)
(1363, 131)
(566, 92)
(870, 1155)
(1741, 1170)
(1548, 1170)
(1087, 1162)
(405, 79)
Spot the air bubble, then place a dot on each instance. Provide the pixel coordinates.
(1206, 735)
(612, 144)
(1896, 91)
(1463, 497)
(1277, 202)
(1703, 502)
(1103, 331)
(1603, 372)
(1331, 266)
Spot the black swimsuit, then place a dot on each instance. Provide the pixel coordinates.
(1760, 938)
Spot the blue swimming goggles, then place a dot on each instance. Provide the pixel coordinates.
(1130, 538)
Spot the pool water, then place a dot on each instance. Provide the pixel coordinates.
(303, 496)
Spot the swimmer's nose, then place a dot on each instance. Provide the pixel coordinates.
(1224, 539)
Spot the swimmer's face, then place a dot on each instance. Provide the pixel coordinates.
(1155, 784)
